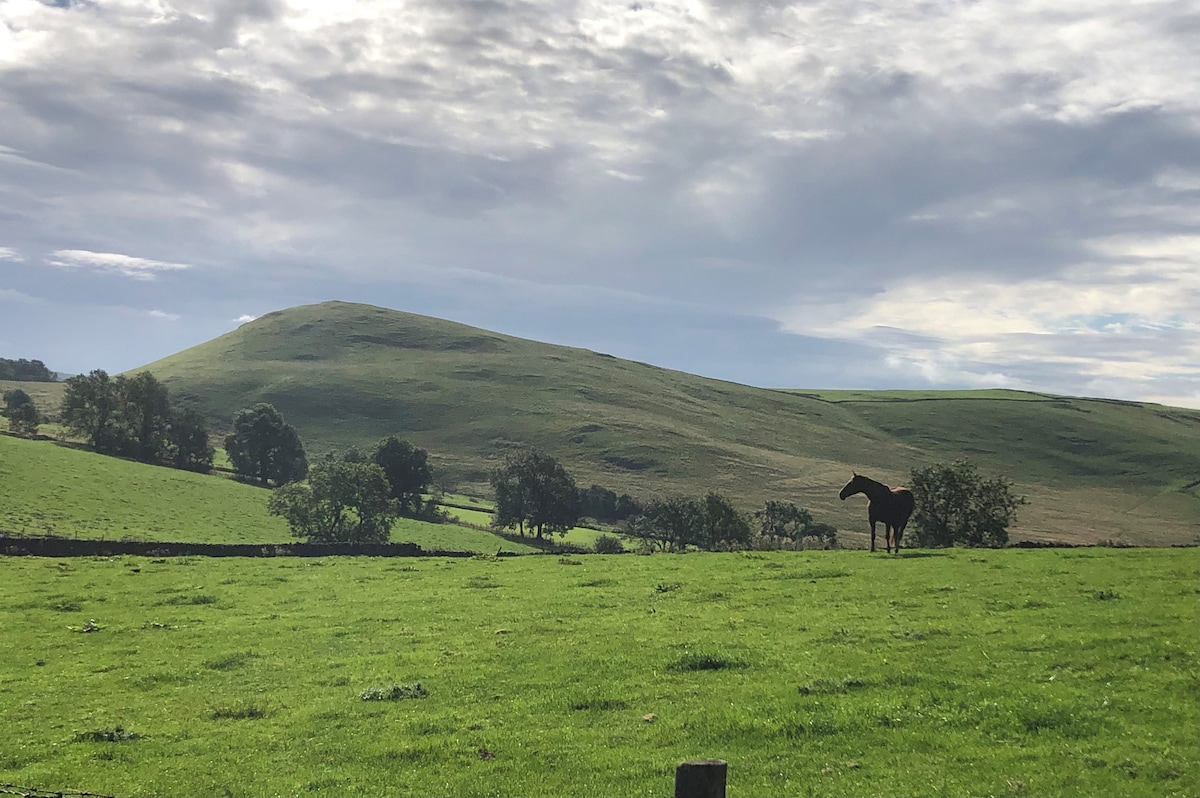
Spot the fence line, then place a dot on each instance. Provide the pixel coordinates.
(75, 547)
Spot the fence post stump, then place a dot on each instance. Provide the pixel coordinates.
(700, 778)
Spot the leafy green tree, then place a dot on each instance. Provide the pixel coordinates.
(187, 442)
(25, 370)
(627, 507)
(956, 504)
(605, 505)
(22, 413)
(407, 470)
(14, 399)
(264, 447)
(341, 503)
(669, 524)
(723, 527)
(782, 524)
(533, 491)
(91, 409)
(143, 416)
(598, 502)
(355, 455)
(783, 520)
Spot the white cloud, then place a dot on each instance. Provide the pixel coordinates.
(163, 315)
(8, 253)
(1126, 323)
(245, 318)
(112, 263)
(1003, 185)
(10, 295)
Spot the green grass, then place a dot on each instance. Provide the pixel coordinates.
(579, 536)
(350, 374)
(960, 673)
(46, 395)
(47, 489)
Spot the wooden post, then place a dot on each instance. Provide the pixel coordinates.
(700, 778)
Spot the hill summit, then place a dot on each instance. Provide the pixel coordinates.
(348, 374)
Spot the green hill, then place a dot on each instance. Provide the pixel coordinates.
(349, 374)
(56, 490)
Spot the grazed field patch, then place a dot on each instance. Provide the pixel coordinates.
(974, 673)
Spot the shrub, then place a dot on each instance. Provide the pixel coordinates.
(955, 504)
(396, 692)
(117, 734)
(608, 544)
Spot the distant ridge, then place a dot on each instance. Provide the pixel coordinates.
(347, 374)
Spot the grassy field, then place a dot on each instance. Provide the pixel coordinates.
(578, 536)
(959, 673)
(347, 374)
(47, 489)
(46, 395)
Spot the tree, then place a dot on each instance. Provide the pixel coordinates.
(187, 442)
(782, 524)
(783, 520)
(22, 413)
(264, 447)
(670, 524)
(605, 505)
(533, 491)
(144, 413)
(14, 399)
(25, 370)
(407, 470)
(90, 409)
(341, 503)
(722, 526)
(955, 504)
(598, 502)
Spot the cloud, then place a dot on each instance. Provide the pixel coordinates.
(112, 263)
(10, 295)
(825, 166)
(245, 318)
(163, 315)
(1126, 321)
(8, 253)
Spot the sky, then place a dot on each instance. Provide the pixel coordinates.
(836, 194)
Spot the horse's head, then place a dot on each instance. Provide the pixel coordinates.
(852, 487)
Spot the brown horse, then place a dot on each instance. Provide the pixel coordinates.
(892, 506)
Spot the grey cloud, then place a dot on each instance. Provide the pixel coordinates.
(772, 150)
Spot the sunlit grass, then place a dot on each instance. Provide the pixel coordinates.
(47, 489)
(833, 673)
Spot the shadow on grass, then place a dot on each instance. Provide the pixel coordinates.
(913, 554)
(548, 545)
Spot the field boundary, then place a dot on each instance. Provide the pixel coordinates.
(17, 545)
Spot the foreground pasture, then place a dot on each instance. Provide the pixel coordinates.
(818, 673)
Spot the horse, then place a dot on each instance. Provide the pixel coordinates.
(892, 506)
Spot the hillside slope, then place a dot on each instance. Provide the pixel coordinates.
(349, 374)
(47, 489)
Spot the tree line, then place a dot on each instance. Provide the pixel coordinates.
(23, 370)
(357, 496)
(534, 493)
(133, 417)
(955, 505)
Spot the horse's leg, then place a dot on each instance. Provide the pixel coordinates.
(872, 535)
(888, 528)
